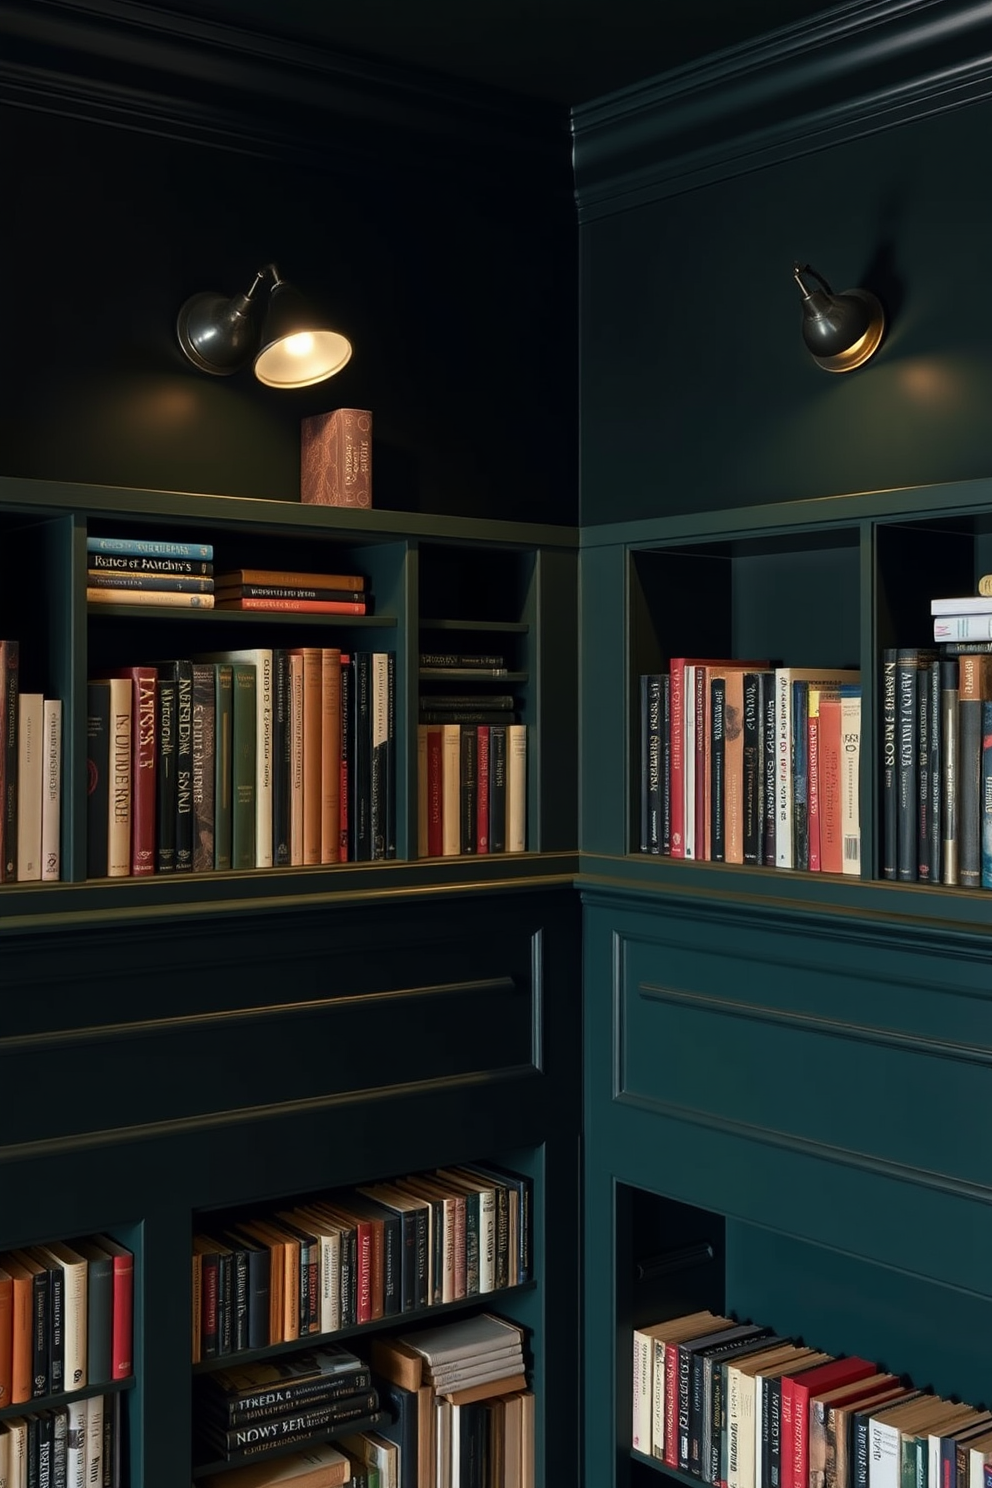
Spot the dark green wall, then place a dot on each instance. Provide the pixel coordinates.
(697, 392)
(458, 294)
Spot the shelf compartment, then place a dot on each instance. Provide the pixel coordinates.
(475, 584)
(919, 561)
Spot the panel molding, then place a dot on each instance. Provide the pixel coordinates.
(868, 66)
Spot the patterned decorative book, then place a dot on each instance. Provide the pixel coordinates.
(336, 458)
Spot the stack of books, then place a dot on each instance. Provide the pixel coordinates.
(479, 1416)
(255, 758)
(357, 1255)
(742, 762)
(734, 1404)
(320, 1466)
(144, 571)
(936, 749)
(471, 759)
(275, 591)
(79, 1442)
(68, 1309)
(30, 777)
(248, 1412)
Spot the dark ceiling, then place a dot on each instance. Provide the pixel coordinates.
(567, 51)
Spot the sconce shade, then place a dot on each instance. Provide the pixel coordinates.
(292, 346)
(297, 349)
(841, 331)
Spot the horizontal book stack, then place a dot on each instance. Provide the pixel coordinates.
(353, 1256)
(745, 763)
(936, 749)
(277, 591)
(79, 1442)
(320, 1466)
(469, 1417)
(256, 758)
(247, 1413)
(66, 1313)
(147, 571)
(30, 777)
(735, 1405)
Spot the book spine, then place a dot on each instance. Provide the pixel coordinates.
(970, 692)
(677, 772)
(888, 765)
(850, 723)
(392, 754)
(907, 724)
(497, 788)
(280, 606)
(451, 753)
(516, 787)
(435, 839)
(468, 787)
(121, 779)
(949, 772)
(30, 784)
(700, 803)
(644, 734)
(330, 764)
(347, 733)
(800, 775)
(296, 759)
(813, 788)
(986, 794)
(99, 1314)
(361, 756)
(141, 547)
(98, 781)
(665, 767)
(770, 759)
(75, 1444)
(51, 804)
(125, 597)
(282, 756)
(733, 749)
(936, 775)
(223, 764)
(783, 769)
(135, 566)
(753, 796)
(379, 756)
(149, 583)
(240, 1298)
(144, 751)
(233, 589)
(829, 751)
(482, 800)
(718, 692)
(204, 762)
(56, 1328)
(243, 766)
(263, 757)
(283, 1398)
(963, 628)
(689, 761)
(184, 766)
(166, 804)
(924, 764)
(40, 1342)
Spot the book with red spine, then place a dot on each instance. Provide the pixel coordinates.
(796, 1391)
(435, 792)
(293, 606)
(829, 785)
(344, 814)
(330, 745)
(122, 1326)
(813, 787)
(678, 707)
(144, 765)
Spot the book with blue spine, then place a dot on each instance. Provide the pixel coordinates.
(140, 547)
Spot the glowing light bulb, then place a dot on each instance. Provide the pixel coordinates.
(300, 345)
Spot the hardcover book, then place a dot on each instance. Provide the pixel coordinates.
(336, 458)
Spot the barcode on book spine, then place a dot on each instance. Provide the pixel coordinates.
(852, 849)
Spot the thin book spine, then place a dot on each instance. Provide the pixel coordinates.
(888, 764)
(949, 772)
(165, 774)
(51, 813)
(223, 763)
(907, 725)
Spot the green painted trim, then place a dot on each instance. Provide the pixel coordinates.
(848, 509)
(869, 65)
(143, 508)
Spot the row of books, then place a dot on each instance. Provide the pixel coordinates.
(453, 1408)
(30, 777)
(936, 765)
(735, 1405)
(66, 1313)
(356, 1255)
(124, 571)
(746, 763)
(265, 757)
(472, 788)
(77, 1443)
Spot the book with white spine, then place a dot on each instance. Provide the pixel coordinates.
(51, 799)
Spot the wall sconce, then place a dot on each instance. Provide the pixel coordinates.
(291, 344)
(840, 331)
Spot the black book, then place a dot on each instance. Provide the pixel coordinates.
(469, 788)
(349, 1275)
(753, 784)
(98, 778)
(497, 788)
(401, 1426)
(711, 1405)
(413, 1222)
(700, 1434)
(204, 719)
(768, 814)
(924, 765)
(181, 672)
(888, 764)
(55, 1320)
(800, 774)
(649, 696)
(280, 1394)
(665, 733)
(240, 1295)
(165, 775)
(41, 1379)
(972, 688)
(224, 766)
(520, 1261)
(718, 826)
(225, 1300)
(60, 1447)
(685, 1354)
(282, 757)
(207, 1249)
(258, 1262)
(949, 772)
(467, 715)
(907, 735)
(44, 1441)
(936, 774)
(294, 1425)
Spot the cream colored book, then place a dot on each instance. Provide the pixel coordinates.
(17, 1431)
(51, 800)
(119, 793)
(451, 768)
(75, 1270)
(516, 787)
(30, 784)
(75, 1444)
(741, 1412)
(127, 597)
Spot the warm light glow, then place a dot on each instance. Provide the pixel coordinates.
(856, 355)
(298, 346)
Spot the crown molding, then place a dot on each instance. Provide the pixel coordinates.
(867, 65)
(145, 67)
